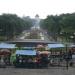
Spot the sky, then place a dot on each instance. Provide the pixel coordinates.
(41, 7)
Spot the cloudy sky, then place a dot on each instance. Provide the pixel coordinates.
(33, 7)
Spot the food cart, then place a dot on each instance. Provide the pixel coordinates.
(56, 54)
(25, 58)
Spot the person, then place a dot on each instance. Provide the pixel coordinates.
(38, 61)
(44, 60)
(51, 61)
(71, 63)
(30, 63)
(24, 60)
(20, 59)
(2, 63)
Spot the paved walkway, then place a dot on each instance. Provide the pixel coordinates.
(50, 71)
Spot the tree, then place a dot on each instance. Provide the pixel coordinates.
(68, 23)
(12, 25)
(51, 24)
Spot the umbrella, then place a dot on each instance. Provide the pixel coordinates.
(44, 52)
(4, 52)
(40, 46)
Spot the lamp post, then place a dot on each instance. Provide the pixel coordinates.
(1, 33)
(66, 47)
(72, 37)
(67, 52)
(68, 37)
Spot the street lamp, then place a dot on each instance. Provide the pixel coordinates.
(72, 37)
(66, 47)
(67, 52)
(66, 44)
(0, 33)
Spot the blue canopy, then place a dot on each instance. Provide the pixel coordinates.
(26, 52)
(72, 45)
(6, 45)
(55, 45)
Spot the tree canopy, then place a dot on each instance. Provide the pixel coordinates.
(64, 23)
(11, 25)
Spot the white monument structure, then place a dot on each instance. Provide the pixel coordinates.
(37, 21)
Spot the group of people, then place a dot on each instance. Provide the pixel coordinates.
(38, 61)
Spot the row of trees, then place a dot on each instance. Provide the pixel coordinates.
(63, 24)
(12, 25)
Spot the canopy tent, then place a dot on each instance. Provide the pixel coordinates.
(56, 45)
(6, 45)
(25, 52)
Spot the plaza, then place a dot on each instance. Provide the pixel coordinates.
(49, 71)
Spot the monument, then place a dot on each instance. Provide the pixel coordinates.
(37, 22)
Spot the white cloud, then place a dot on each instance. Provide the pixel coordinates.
(41, 7)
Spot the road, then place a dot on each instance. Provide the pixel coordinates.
(50, 71)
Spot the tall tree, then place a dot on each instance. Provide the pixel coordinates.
(12, 25)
